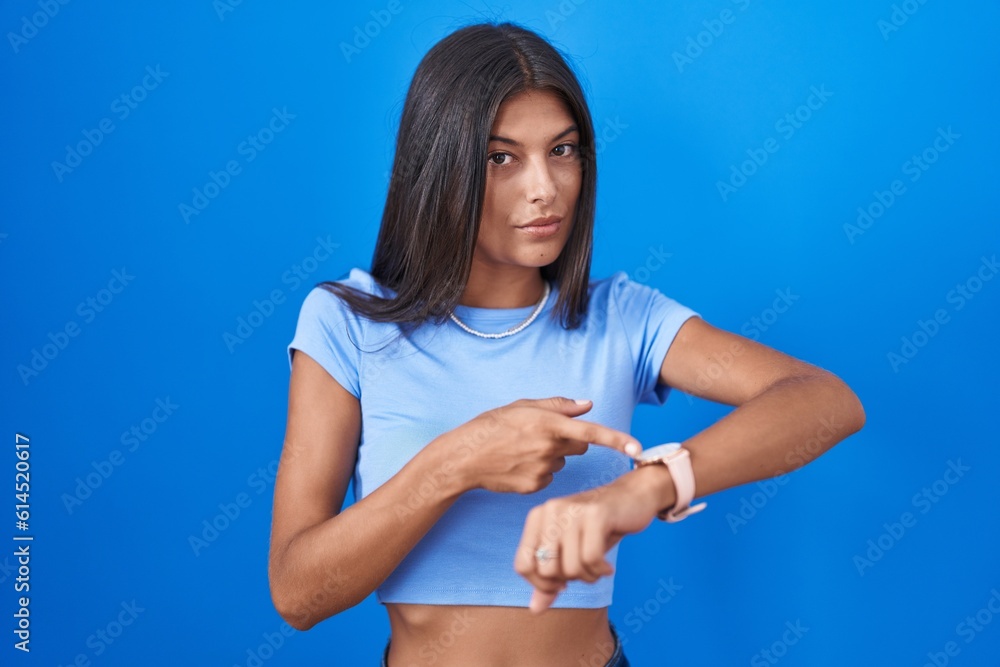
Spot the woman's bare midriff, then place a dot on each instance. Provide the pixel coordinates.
(464, 635)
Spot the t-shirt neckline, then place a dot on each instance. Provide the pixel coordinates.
(507, 315)
(470, 314)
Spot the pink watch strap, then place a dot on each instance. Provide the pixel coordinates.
(679, 464)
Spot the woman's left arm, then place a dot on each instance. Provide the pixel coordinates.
(788, 413)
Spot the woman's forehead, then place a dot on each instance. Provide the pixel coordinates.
(533, 112)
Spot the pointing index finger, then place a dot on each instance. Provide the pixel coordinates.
(598, 434)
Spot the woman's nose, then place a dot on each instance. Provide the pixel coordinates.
(541, 185)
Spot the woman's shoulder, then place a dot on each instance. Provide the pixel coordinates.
(326, 302)
(614, 286)
(614, 278)
(633, 298)
(356, 279)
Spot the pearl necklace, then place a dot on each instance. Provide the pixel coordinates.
(509, 332)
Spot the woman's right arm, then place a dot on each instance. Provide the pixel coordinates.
(323, 560)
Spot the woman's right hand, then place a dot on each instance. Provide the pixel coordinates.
(518, 447)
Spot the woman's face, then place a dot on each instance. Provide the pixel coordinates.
(533, 172)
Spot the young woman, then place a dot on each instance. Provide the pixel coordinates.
(442, 380)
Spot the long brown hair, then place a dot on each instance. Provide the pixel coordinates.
(435, 200)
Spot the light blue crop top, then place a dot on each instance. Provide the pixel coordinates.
(413, 390)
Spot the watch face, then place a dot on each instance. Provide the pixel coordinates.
(658, 451)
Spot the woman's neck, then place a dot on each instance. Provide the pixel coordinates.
(496, 289)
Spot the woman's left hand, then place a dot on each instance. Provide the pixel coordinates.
(579, 530)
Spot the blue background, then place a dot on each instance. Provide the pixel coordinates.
(672, 130)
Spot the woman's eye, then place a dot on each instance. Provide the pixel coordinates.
(563, 150)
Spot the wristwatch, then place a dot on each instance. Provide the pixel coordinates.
(678, 462)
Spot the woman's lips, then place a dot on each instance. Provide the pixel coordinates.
(542, 231)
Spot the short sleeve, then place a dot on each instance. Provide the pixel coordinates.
(332, 334)
(651, 320)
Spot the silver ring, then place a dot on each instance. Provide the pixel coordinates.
(542, 554)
